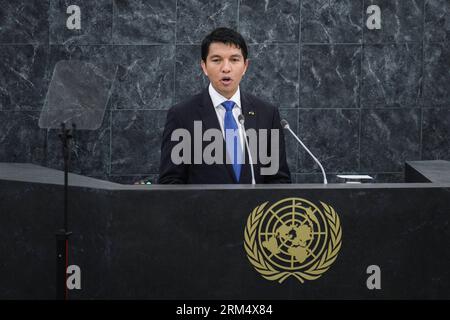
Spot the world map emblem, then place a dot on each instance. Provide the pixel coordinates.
(292, 237)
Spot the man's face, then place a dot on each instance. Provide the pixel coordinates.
(224, 67)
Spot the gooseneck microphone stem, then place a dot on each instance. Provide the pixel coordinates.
(285, 125)
(241, 122)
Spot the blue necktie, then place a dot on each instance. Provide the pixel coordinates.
(232, 140)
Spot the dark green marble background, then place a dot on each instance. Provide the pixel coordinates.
(363, 100)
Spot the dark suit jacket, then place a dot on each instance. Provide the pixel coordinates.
(258, 115)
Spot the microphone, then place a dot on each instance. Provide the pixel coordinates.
(241, 122)
(285, 125)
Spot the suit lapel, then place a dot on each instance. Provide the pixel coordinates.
(207, 113)
(210, 121)
(248, 111)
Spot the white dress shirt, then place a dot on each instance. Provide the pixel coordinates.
(217, 100)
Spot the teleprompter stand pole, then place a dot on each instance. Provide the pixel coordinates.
(62, 235)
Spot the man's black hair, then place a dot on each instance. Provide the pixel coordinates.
(227, 36)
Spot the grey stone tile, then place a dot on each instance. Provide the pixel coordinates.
(436, 134)
(90, 150)
(332, 135)
(99, 53)
(389, 137)
(92, 53)
(437, 20)
(21, 140)
(436, 90)
(269, 21)
(392, 75)
(273, 74)
(23, 78)
(95, 22)
(189, 77)
(136, 141)
(96, 54)
(144, 21)
(197, 18)
(312, 178)
(77, 95)
(145, 78)
(330, 76)
(24, 21)
(331, 21)
(401, 20)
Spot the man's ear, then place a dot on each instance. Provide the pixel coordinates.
(203, 64)
(246, 66)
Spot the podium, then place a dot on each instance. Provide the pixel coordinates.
(188, 241)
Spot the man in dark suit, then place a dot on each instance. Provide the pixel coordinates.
(224, 62)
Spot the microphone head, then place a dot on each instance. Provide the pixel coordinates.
(241, 119)
(284, 124)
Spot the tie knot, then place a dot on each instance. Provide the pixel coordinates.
(228, 105)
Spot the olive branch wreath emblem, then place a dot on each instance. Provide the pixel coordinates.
(316, 269)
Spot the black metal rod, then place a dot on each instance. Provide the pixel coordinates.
(66, 179)
(62, 236)
(61, 265)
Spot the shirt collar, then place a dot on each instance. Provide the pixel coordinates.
(218, 99)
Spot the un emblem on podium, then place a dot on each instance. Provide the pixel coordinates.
(292, 237)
